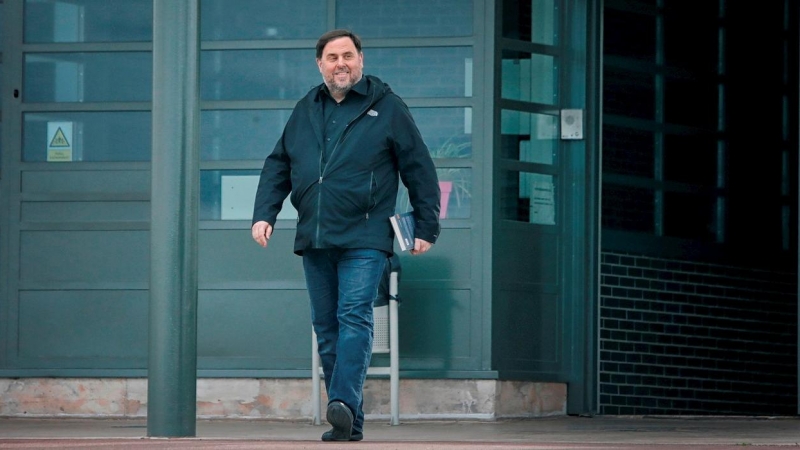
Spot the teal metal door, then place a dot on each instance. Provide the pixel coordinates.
(545, 253)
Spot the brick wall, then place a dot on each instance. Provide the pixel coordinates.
(688, 338)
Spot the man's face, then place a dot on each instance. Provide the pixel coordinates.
(341, 65)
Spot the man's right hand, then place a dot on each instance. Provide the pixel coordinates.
(262, 231)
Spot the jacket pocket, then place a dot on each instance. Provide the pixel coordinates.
(372, 199)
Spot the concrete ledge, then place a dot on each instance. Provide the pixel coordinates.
(282, 398)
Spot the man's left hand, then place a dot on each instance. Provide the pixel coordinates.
(420, 246)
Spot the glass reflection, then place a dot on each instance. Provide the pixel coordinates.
(88, 77)
(529, 77)
(456, 194)
(422, 72)
(289, 74)
(257, 74)
(447, 131)
(88, 21)
(530, 20)
(529, 137)
(409, 18)
(225, 20)
(528, 197)
(456, 188)
(251, 134)
(240, 134)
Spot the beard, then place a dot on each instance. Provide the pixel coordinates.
(336, 87)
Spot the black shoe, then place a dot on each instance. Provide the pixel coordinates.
(354, 436)
(341, 418)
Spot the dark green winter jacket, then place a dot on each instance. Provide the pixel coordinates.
(346, 202)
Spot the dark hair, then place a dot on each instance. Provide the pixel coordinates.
(336, 34)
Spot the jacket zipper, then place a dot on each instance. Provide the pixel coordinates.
(325, 166)
(369, 190)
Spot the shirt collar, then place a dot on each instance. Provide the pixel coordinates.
(359, 88)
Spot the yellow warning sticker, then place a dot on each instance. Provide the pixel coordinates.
(59, 140)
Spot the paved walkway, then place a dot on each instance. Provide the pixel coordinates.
(622, 433)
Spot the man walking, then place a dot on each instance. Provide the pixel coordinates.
(339, 156)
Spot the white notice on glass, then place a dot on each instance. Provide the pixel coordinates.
(239, 194)
(543, 208)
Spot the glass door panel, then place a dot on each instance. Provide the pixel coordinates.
(529, 77)
(531, 20)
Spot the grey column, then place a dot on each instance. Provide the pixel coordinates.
(172, 366)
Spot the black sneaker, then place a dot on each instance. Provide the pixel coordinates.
(354, 436)
(341, 418)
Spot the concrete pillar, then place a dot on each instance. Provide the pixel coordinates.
(172, 365)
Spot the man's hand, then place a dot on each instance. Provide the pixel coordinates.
(420, 246)
(262, 231)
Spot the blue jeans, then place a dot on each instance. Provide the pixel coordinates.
(342, 286)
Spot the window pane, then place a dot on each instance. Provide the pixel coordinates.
(251, 134)
(446, 131)
(530, 20)
(88, 77)
(629, 34)
(529, 77)
(691, 102)
(230, 194)
(211, 193)
(628, 209)
(289, 74)
(628, 152)
(240, 134)
(88, 20)
(528, 137)
(96, 136)
(699, 53)
(222, 20)
(437, 71)
(455, 185)
(409, 18)
(700, 208)
(629, 94)
(257, 74)
(691, 159)
(528, 197)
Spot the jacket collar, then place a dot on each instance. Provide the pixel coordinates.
(362, 87)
